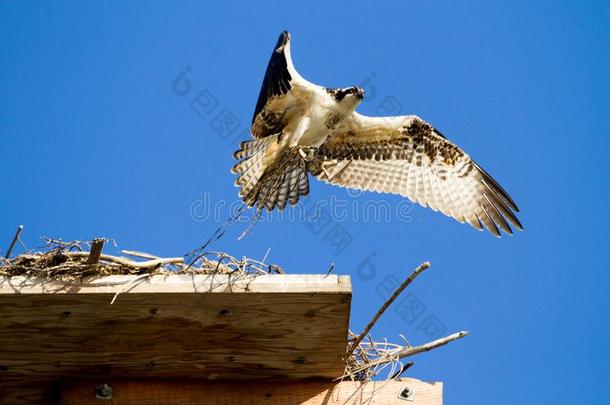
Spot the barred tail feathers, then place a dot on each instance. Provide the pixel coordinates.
(270, 176)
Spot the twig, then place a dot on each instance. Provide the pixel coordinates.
(15, 239)
(410, 351)
(402, 370)
(143, 255)
(96, 251)
(61, 245)
(253, 221)
(403, 351)
(135, 280)
(266, 254)
(330, 269)
(385, 306)
(220, 231)
(126, 262)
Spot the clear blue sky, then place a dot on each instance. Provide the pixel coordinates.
(95, 142)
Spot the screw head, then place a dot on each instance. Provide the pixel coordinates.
(405, 393)
(103, 391)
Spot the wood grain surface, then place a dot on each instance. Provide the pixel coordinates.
(135, 392)
(212, 327)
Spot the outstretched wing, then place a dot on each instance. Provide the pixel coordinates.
(283, 94)
(405, 155)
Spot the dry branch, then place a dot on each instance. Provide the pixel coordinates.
(143, 255)
(410, 351)
(366, 359)
(386, 304)
(372, 358)
(400, 352)
(15, 239)
(130, 263)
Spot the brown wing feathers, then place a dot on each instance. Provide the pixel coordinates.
(402, 155)
(267, 120)
(415, 160)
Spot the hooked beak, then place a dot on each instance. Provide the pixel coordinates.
(359, 93)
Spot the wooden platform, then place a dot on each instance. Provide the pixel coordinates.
(211, 327)
(408, 391)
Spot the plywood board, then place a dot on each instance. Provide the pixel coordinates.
(213, 327)
(135, 392)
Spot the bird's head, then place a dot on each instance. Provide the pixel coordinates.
(349, 97)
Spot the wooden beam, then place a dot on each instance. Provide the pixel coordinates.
(193, 326)
(132, 392)
(184, 284)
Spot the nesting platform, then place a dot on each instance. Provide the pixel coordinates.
(174, 329)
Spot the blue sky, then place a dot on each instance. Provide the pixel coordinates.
(95, 141)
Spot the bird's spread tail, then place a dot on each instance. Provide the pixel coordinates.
(269, 175)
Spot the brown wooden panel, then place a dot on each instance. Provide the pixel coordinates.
(130, 392)
(285, 326)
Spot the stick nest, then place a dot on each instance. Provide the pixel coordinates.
(68, 261)
(365, 359)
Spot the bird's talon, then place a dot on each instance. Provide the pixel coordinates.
(308, 153)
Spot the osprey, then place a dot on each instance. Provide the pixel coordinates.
(300, 128)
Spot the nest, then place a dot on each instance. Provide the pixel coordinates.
(365, 358)
(375, 359)
(67, 261)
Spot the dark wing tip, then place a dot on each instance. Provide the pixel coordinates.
(285, 36)
(277, 77)
(492, 182)
(498, 205)
(282, 41)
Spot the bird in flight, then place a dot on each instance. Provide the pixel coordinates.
(301, 128)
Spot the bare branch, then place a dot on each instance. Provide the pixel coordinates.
(400, 352)
(410, 351)
(386, 304)
(126, 262)
(143, 255)
(15, 239)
